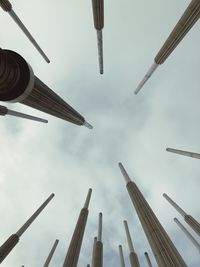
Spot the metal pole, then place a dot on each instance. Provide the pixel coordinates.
(121, 256)
(51, 253)
(148, 259)
(184, 153)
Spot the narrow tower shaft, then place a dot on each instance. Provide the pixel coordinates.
(164, 250)
(48, 260)
(121, 256)
(98, 252)
(184, 153)
(93, 250)
(148, 259)
(73, 252)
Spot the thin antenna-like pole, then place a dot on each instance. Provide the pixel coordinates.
(87, 201)
(98, 246)
(121, 256)
(184, 153)
(93, 250)
(51, 253)
(99, 237)
(124, 173)
(7, 6)
(182, 212)
(148, 259)
(128, 236)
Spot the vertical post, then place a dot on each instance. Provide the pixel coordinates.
(98, 254)
(121, 256)
(48, 260)
(148, 259)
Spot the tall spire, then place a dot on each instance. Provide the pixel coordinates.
(19, 84)
(93, 250)
(5, 111)
(73, 252)
(188, 19)
(132, 255)
(98, 252)
(11, 242)
(7, 6)
(187, 233)
(121, 256)
(98, 15)
(164, 250)
(184, 153)
(148, 259)
(188, 218)
(51, 253)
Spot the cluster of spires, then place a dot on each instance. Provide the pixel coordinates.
(163, 249)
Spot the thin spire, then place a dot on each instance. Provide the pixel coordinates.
(100, 50)
(124, 173)
(121, 256)
(99, 237)
(7, 6)
(128, 236)
(51, 253)
(184, 153)
(5, 111)
(87, 201)
(86, 124)
(148, 259)
(182, 212)
(93, 250)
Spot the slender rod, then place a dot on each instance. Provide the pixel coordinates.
(128, 236)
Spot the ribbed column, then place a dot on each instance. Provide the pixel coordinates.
(121, 256)
(98, 254)
(184, 153)
(164, 250)
(148, 259)
(132, 255)
(10, 243)
(73, 252)
(188, 218)
(187, 233)
(48, 260)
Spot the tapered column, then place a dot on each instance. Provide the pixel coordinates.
(98, 15)
(148, 259)
(164, 250)
(10, 243)
(188, 19)
(184, 153)
(7, 6)
(73, 252)
(5, 111)
(188, 218)
(48, 260)
(121, 256)
(93, 250)
(132, 255)
(98, 254)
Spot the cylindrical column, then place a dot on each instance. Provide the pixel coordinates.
(148, 259)
(121, 256)
(128, 236)
(164, 250)
(48, 260)
(182, 212)
(98, 254)
(73, 252)
(184, 153)
(93, 250)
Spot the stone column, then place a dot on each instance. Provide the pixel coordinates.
(98, 254)
(48, 260)
(184, 153)
(188, 218)
(11, 242)
(121, 256)
(164, 250)
(148, 259)
(73, 252)
(132, 256)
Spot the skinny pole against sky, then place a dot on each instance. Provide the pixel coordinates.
(10, 243)
(48, 260)
(7, 6)
(98, 15)
(148, 259)
(98, 253)
(187, 233)
(73, 252)
(93, 250)
(121, 256)
(164, 250)
(188, 19)
(132, 254)
(188, 218)
(5, 111)
(19, 84)
(184, 153)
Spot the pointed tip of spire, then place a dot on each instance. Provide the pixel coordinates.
(124, 173)
(99, 237)
(86, 124)
(167, 149)
(87, 201)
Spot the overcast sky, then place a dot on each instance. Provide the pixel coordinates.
(38, 159)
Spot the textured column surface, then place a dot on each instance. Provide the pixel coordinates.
(48, 260)
(184, 153)
(10, 243)
(148, 259)
(73, 252)
(121, 256)
(164, 250)
(188, 218)
(19, 84)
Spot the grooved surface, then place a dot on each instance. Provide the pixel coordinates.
(6, 5)
(192, 223)
(7, 246)
(98, 14)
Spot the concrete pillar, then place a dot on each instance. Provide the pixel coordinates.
(121, 256)
(184, 153)
(132, 255)
(148, 259)
(98, 254)
(73, 252)
(11, 242)
(164, 250)
(188, 19)
(19, 84)
(188, 218)
(93, 250)
(48, 260)
(187, 233)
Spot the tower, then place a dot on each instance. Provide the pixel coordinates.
(98, 252)
(121, 256)
(184, 153)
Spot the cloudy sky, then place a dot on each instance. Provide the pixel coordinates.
(66, 159)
